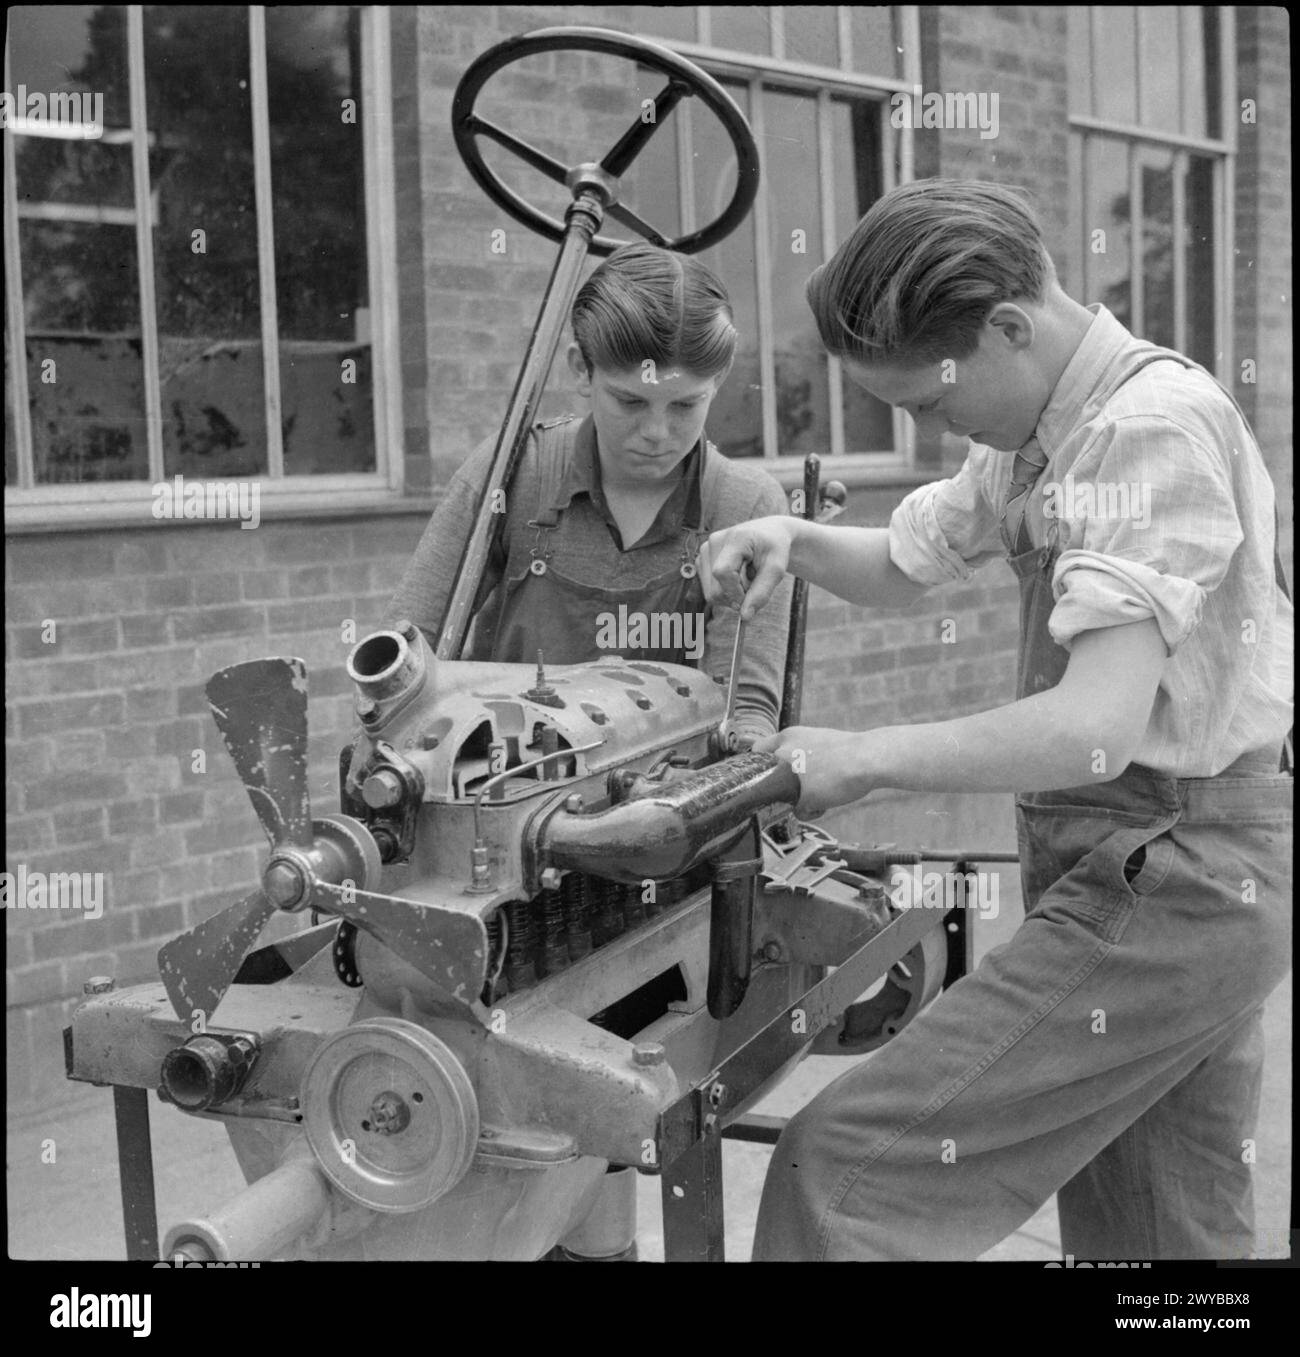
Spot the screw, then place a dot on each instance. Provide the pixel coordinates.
(389, 1114)
(382, 788)
(550, 879)
(716, 1094)
(648, 1053)
(99, 984)
(772, 951)
(573, 804)
(282, 884)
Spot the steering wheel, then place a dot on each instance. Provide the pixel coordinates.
(603, 177)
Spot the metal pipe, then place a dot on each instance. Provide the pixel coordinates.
(263, 1220)
(792, 688)
(671, 829)
(731, 923)
(583, 220)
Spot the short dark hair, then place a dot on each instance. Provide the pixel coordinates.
(918, 276)
(647, 302)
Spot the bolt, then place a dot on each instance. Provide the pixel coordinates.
(573, 804)
(716, 1094)
(428, 741)
(98, 984)
(648, 1053)
(550, 879)
(772, 951)
(389, 1114)
(407, 629)
(382, 788)
(283, 884)
(365, 707)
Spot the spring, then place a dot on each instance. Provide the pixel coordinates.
(576, 904)
(634, 911)
(520, 969)
(607, 914)
(553, 955)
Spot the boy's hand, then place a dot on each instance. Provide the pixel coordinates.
(834, 766)
(743, 565)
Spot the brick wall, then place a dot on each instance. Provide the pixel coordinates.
(103, 720)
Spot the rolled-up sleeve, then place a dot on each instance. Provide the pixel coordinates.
(1148, 526)
(947, 529)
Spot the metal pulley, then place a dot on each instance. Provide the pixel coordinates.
(390, 1113)
(910, 984)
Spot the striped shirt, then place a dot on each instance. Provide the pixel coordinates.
(1161, 506)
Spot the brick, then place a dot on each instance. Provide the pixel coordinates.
(65, 939)
(161, 849)
(204, 623)
(88, 636)
(148, 706)
(36, 984)
(128, 818)
(71, 788)
(28, 834)
(180, 806)
(78, 824)
(264, 584)
(132, 890)
(141, 630)
(212, 589)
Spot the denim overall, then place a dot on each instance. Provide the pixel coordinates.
(544, 608)
(1110, 1052)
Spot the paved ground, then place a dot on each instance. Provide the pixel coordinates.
(70, 1208)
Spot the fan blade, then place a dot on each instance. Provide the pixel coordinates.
(199, 967)
(261, 711)
(447, 945)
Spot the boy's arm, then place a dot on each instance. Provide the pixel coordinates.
(762, 665)
(940, 532)
(1084, 730)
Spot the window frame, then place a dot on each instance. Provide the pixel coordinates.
(1220, 151)
(30, 506)
(898, 158)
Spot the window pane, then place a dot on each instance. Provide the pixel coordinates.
(1079, 65)
(858, 181)
(876, 42)
(1159, 91)
(665, 21)
(1114, 93)
(1107, 226)
(812, 35)
(1199, 198)
(323, 308)
(85, 381)
(736, 417)
(72, 49)
(741, 28)
(205, 241)
(1157, 168)
(76, 239)
(790, 163)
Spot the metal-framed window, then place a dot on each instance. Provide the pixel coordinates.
(815, 82)
(1151, 171)
(294, 321)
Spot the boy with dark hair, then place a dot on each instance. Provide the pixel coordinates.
(1111, 1051)
(603, 521)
